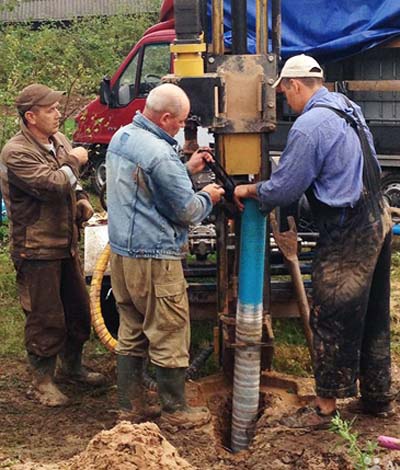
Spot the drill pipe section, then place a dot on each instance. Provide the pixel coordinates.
(249, 319)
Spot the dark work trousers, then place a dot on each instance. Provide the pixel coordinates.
(54, 298)
(350, 317)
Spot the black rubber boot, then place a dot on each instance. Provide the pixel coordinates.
(132, 401)
(175, 412)
(72, 369)
(43, 388)
(129, 380)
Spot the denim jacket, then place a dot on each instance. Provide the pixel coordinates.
(150, 198)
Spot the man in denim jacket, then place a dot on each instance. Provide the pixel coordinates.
(151, 204)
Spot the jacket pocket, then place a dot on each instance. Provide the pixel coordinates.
(172, 307)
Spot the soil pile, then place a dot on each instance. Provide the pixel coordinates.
(129, 447)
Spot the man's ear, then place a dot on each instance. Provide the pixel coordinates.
(30, 117)
(164, 118)
(296, 85)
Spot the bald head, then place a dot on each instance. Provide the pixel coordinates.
(166, 98)
(167, 106)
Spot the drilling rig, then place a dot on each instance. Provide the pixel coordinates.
(231, 94)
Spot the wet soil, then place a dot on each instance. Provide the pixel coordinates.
(35, 437)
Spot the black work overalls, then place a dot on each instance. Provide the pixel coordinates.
(350, 316)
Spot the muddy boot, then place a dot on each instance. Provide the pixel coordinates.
(43, 389)
(132, 402)
(72, 369)
(176, 414)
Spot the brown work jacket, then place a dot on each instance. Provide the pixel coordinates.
(39, 198)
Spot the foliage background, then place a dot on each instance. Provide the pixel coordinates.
(72, 57)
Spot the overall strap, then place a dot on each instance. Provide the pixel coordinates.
(371, 174)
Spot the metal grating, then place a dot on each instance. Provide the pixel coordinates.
(44, 10)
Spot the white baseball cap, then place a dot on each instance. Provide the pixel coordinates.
(300, 66)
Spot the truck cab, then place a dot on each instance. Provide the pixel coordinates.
(123, 95)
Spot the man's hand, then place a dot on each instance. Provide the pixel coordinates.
(81, 154)
(215, 191)
(244, 191)
(197, 161)
(83, 211)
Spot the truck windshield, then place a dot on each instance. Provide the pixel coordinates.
(156, 63)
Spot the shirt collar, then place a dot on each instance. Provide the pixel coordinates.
(317, 96)
(141, 121)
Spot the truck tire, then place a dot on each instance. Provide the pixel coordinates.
(99, 173)
(390, 184)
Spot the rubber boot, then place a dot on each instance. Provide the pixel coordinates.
(43, 388)
(132, 400)
(176, 414)
(72, 369)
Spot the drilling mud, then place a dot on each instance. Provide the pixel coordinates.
(85, 435)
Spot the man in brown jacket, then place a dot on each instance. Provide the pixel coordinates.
(39, 180)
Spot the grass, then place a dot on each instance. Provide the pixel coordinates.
(291, 354)
(395, 300)
(11, 315)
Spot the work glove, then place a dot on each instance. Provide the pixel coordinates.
(83, 211)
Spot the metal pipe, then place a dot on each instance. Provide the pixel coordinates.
(239, 26)
(218, 26)
(222, 243)
(204, 20)
(262, 26)
(276, 28)
(265, 173)
(246, 382)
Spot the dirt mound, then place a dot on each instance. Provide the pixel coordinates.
(129, 447)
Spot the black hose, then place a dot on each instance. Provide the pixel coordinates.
(198, 361)
(103, 197)
(190, 373)
(149, 382)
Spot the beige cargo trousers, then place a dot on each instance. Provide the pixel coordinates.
(152, 301)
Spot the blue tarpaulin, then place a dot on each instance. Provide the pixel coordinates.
(328, 30)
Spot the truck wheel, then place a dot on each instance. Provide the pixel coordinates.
(99, 174)
(390, 184)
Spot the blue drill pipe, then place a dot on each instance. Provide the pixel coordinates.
(249, 319)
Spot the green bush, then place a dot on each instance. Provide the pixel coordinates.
(72, 58)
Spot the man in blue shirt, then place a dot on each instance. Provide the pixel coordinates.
(151, 204)
(331, 158)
